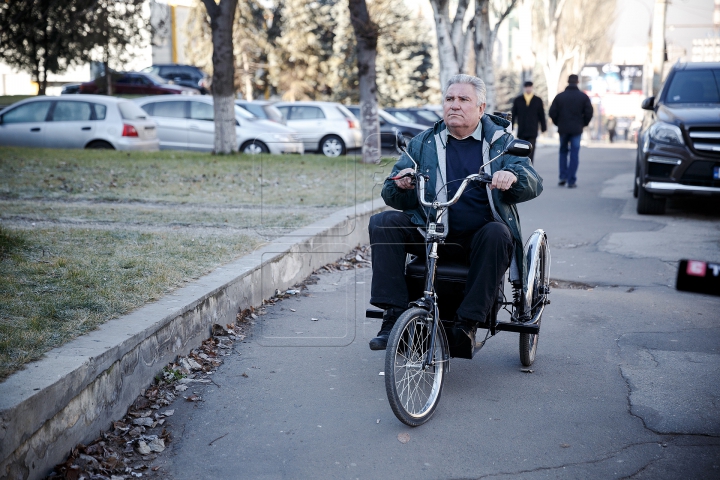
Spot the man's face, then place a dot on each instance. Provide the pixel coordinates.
(528, 90)
(460, 108)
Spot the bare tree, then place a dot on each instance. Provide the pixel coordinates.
(222, 17)
(484, 41)
(452, 37)
(366, 34)
(567, 33)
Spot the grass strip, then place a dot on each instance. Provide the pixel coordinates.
(58, 283)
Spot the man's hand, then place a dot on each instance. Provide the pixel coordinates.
(405, 183)
(503, 180)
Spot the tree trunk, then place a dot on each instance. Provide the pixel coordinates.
(366, 34)
(484, 52)
(449, 64)
(222, 18)
(485, 36)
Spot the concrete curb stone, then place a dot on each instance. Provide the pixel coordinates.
(76, 390)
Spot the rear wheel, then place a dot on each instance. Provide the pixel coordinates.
(636, 186)
(100, 144)
(413, 389)
(538, 281)
(253, 147)
(649, 205)
(332, 146)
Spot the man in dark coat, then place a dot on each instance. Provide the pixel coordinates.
(527, 112)
(571, 111)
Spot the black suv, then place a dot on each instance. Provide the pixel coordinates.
(679, 141)
(185, 75)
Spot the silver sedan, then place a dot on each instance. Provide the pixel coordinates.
(80, 121)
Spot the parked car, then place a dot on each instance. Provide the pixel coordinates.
(262, 109)
(327, 127)
(185, 75)
(188, 124)
(78, 121)
(137, 83)
(422, 116)
(391, 128)
(679, 142)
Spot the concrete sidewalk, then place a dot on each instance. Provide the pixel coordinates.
(78, 389)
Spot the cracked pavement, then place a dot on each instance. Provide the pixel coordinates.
(626, 383)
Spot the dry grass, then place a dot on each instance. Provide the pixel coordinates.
(56, 284)
(86, 236)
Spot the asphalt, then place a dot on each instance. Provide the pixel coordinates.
(626, 383)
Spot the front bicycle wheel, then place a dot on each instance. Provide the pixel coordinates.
(538, 283)
(413, 387)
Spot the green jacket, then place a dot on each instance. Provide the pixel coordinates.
(428, 149)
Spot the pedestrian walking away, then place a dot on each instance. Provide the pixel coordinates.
(611, 126)
(528, 111)
(571, 111)
(484, 227)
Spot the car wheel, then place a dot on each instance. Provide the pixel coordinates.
(254, 147)
(636, 186)
(649, 205)
(100, 145)
(332, 146)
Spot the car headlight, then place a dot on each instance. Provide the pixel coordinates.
(281, 137)
(666, 133)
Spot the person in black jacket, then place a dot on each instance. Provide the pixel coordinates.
(527, 112)
(571, 111)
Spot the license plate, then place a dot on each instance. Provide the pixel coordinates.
(716, 173)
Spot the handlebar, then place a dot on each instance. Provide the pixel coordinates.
(421, 179)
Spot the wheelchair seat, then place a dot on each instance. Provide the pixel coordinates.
(447, 270)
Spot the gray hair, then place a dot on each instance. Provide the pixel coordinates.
(470, 80)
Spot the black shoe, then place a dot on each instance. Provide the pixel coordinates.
(390, 316)
(561, 183)
(572, 185)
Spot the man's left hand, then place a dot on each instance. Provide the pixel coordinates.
(503, 180)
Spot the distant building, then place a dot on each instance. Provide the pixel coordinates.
(706, 50)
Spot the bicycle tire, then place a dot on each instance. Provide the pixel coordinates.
(540, 285)
(413, 392)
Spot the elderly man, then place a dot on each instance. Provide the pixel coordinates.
(484, 227)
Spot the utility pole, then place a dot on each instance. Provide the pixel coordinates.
(659, 54)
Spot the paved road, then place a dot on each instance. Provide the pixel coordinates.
(626, 383)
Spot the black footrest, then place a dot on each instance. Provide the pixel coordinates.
(373, 313)
(518, 327)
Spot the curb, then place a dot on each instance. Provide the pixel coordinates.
(76, 390)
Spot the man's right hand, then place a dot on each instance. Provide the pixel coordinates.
(405, 183)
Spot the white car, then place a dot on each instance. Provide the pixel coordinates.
(78, 121)
(326, 127)
(188, 124)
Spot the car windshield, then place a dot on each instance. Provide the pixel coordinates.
(429, 115)
(694, 86)
(130, 111)
(255, 109)
(243, 113)
(155, 78)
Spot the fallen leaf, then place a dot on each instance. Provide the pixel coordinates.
(155, 468)
(144, 421)
(180, 388)
(168, 413)
(526, 370)
(565, 445)
(193, 398)
(403, 437)
(293, 310)
(143, 448)
(157, 445)
(245, 375)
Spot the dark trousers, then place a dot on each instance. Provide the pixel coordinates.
(488, 252)
(571, 144)
(532, 141)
